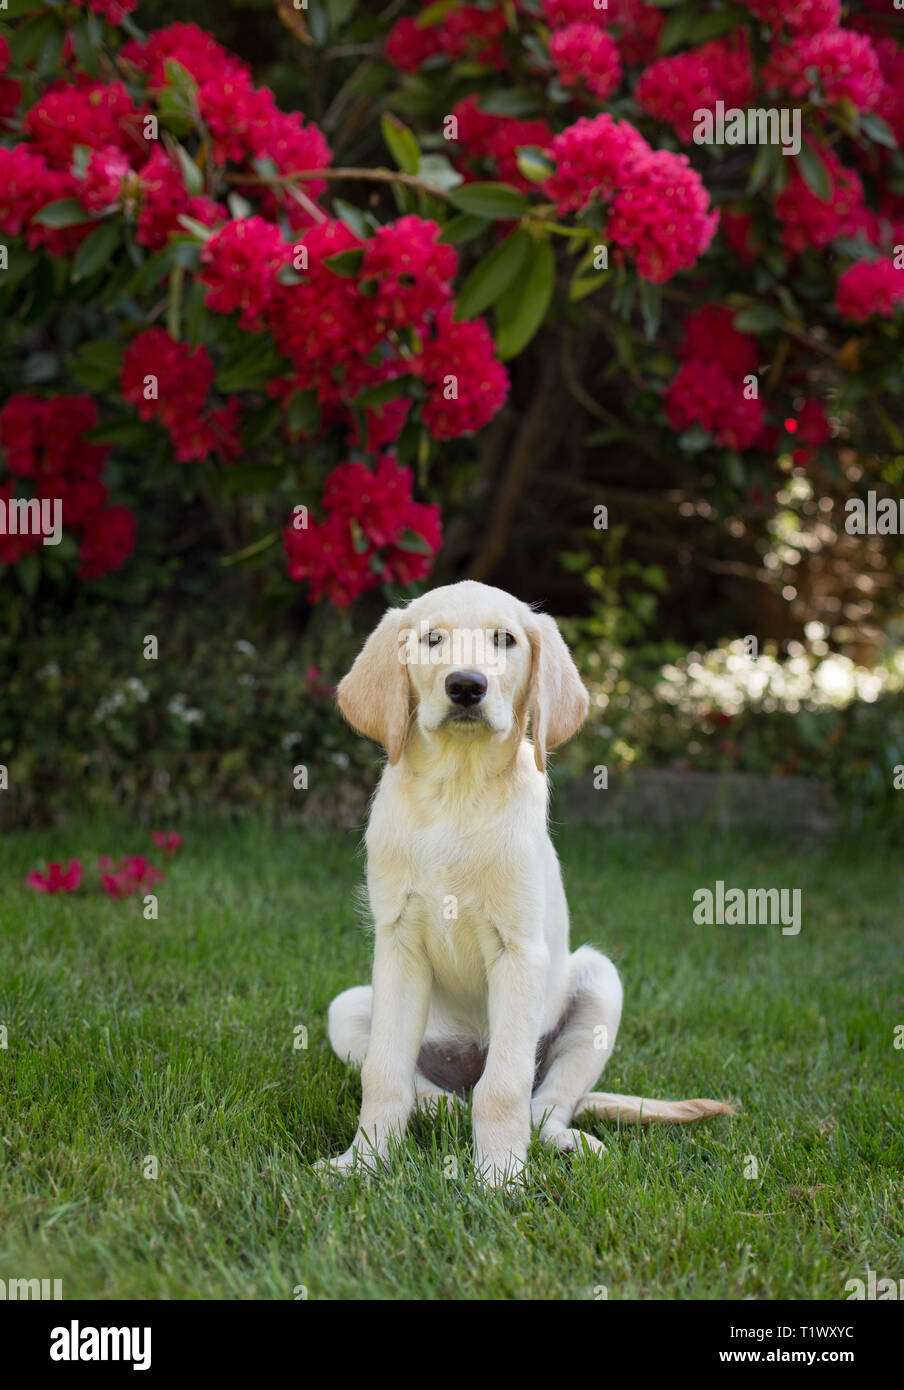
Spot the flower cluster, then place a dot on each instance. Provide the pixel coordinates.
(659, 206)
(133, 874)
(239, 266)
(169, 382)
(673, 88)
(709, 388)
(56, 879)
(341, 331)
(797, 16)
(810, 221)
(586, 59)
(373, 531)
(845, 64)
(44, 442)
(484, 137)
(466, 31)
(244, 121)
(870, 287)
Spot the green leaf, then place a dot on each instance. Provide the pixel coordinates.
(182, 251)
(40, 366)
(346, 263)
(14, 8)
(650, 308)
(710, 26)
(248, 478)
(762, 318)
(85, 49)
(27, 42)
(250, 372)
(29, 572)
(353, 218)
(401, 143)
(66, 212)
(386, 391)
(96, 250)
(102, 354)
(491, 276)
(876, 128)
(318, 23)
(674, 32)
(522, 309)
(509, 103)
(303, 415)
(534, 164)
(814, 173)
(191, 174)
(410, 540)
(126, 432)
(436, 170)
(490, 200)
(463, 228)
(341, 11)
(259, 424)
(694, 440)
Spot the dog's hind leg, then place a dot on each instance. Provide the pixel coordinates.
(348, 1025)
(579, 1051)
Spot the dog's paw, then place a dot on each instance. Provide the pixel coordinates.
(569, 1141)
(353, 1160)
(506, 1172)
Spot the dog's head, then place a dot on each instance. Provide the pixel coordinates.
(465, 662)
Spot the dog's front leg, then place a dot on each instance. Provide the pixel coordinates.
(501, 1101)
(402, 980)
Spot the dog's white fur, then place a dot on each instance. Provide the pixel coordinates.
(471, 944)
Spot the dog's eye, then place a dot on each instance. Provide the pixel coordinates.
(434, 638)
(503, 639)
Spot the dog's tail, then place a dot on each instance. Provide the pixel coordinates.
(638, 1110)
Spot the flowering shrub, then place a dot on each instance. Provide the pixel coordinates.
(202, 318)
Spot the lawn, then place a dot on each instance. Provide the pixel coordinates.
(176, 1039)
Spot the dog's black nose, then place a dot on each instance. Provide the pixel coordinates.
(466, 687)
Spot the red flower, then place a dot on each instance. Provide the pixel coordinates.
(95, 114)
(410, 44)
(586, 58)
(710, 336)
(413, 271)
(467, 383)
(107, 541)
(56, 880)
(167, 840)
(593, 159)
(239, 265)
(672, 89)
(704, 393)
(870, 287)
(133, 874)
(660, 216)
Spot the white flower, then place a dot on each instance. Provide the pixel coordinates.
(246, 648)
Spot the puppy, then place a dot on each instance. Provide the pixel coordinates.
(474, 988)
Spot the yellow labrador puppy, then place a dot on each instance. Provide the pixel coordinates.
(473, 982)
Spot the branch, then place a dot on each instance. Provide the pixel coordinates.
(374, 175)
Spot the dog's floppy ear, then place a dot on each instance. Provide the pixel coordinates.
(557, 700)
(374, 695)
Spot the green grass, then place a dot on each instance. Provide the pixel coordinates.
(175, 1038)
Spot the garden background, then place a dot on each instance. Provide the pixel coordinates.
(302, 225)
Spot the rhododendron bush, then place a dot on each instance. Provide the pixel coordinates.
(205, 303)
